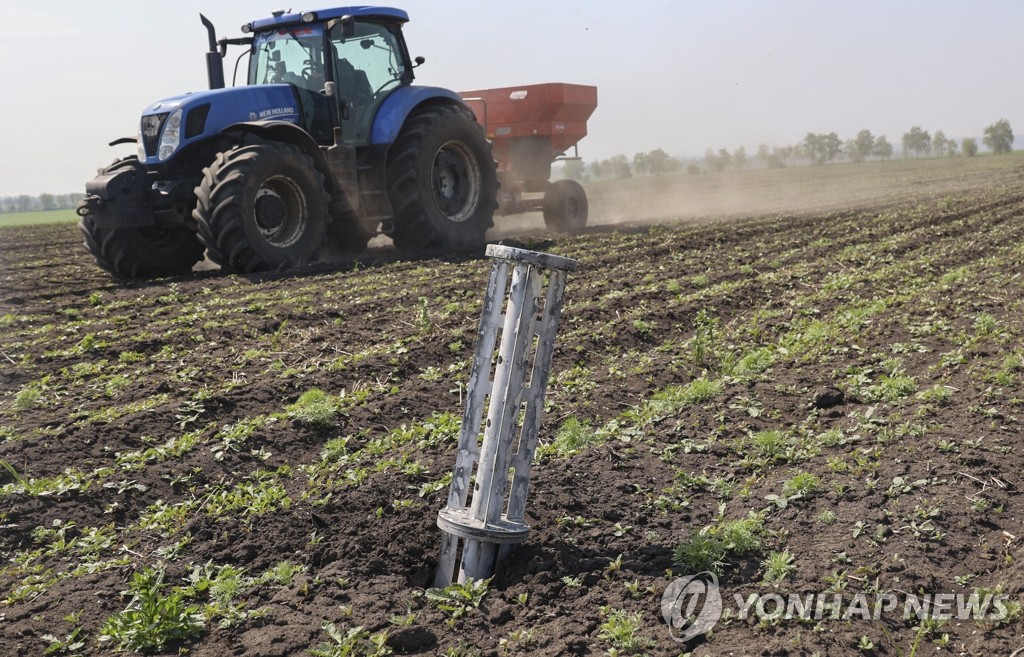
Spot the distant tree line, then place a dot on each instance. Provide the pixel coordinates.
(814, 149)
(998, 138)
(42, 202)
(819, 149)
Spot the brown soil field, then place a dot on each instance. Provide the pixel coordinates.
(809, 382)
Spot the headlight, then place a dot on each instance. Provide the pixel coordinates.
(171, 137)
(151, 126)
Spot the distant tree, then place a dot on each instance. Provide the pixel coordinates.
(725, 158)
(832, 146)
(739, 158)
(969, 146)
(810, 146)
(999, 137)
(47, 202)
(640, 164)
(862, 145)
(882, 148)
(942, 145)
(770, 158)
(655, 163)
(849, 150)
(618, 167)
(822, 148)
(917, 142)
(717, 161)
(574, 169)
(693, 169)
(24, 203)
(798, 152)
(710, 160)
(596, 170)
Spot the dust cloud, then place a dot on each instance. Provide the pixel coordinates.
(716, 197)
(706, 198)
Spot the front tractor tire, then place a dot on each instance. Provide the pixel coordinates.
(565, 207)
(261, 206)
(441, 182)
(141, 252)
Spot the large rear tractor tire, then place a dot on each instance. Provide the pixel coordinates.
(262, 206)
(441, 182)
(565, 207)
(145, 252)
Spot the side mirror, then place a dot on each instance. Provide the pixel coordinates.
(420, 61)
(348, 26)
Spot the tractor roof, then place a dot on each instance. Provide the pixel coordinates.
(282, 19)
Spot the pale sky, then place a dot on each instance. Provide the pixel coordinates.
(682, 75)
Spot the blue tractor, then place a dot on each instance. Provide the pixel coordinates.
(328, 144)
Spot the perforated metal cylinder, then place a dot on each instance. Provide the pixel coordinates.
(506, 396)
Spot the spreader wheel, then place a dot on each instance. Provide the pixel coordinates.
(565, 207)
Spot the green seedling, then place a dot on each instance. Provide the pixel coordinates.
(405, 620)
(157, 616)
(457, 599)
(777, 566)
(572, 581)
(573, 436)
(356, 642)
(622, 631)
(710, 548)
(70, 644)
(315, 408)
(613, 567)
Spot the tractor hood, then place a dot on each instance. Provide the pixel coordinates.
(171, 124)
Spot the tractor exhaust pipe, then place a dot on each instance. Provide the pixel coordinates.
(214, 60)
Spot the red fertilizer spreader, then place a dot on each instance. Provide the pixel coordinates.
(531, 127)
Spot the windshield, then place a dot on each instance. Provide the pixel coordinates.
(290, 56)
(372, 49)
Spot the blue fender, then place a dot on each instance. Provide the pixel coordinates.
(396, 109)
(285, 131)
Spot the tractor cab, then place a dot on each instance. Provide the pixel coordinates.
(326, 145)
(341, 68)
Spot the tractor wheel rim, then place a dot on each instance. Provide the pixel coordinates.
(280, 211)
(455, 181)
